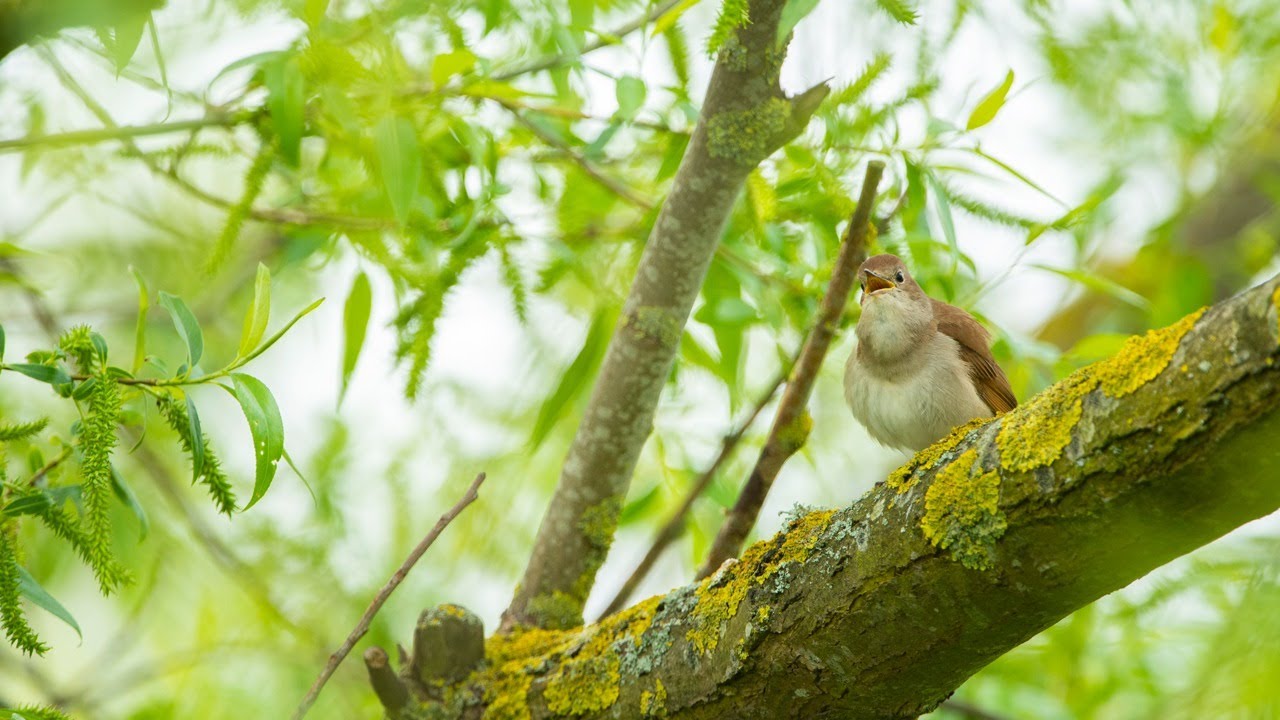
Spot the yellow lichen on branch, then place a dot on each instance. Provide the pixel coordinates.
(720, 595)
(1035, 434)
(962, 512)
(903, 479)
(1142, 358)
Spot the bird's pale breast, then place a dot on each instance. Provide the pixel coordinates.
(917, 403)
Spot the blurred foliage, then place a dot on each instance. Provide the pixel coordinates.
(394, 154)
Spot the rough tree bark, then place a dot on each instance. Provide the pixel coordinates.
(744, 118)
(882, 609)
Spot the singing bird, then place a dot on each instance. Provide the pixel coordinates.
(921, 367)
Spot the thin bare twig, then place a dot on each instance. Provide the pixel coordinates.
(108, 134)
(675, 525)
(790, 428)
(49, 466)
(612, 184)
(605, 38)
(380, 599)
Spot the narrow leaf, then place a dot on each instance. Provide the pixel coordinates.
(355, 322)
(266, 427)
(126, 37)
(280, 333)
(255, 321)
(140, 330)
(286, 101)
(792, 13)
(28, 505)
(188, 328)
(1100, 284)
(986, 110)
(197, 442)
(38, 595)
(43, 373)
(944, 215)
(1, 343)
(576, 378)
(398, 159)
(130, 500)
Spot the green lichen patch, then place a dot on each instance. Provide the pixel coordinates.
(720, 596)
(746, 136)
(562, 609)
(1142, 358)
(962, 513)
(903, 479)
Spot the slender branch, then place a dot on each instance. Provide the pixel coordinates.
(604, 39)
(970, 711)
(109, 134)
(791, 424)
(676, 524)
(380, 599)
(612, 184)
(282, 216)
(49, 466)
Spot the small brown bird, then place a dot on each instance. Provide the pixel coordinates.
(921, 366)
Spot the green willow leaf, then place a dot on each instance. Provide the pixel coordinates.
(266, 427)
(197, 441)
(355, 323)
(630, 92)
(187, 326)
(42, 373)
(396, 143)
(125, 39)
(576, 378)
(280, 333)
(140, 330)
(792, 13)
(944, 215)
(987, 108)
(41, 597)
(126, 495)
(1, 343)
(255, 321)
(286, 101)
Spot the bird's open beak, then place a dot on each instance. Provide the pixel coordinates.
(876, 283)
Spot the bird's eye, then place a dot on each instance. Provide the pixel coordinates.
(898, 277)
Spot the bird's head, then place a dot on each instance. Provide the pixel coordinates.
(896, 313)
(886, 276)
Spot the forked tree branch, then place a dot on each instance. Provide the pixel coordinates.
(790, 428)
(744, 118)
(882, 609)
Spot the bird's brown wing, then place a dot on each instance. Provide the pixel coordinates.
(993, 386)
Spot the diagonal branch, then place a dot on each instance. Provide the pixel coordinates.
(791, 424)
(745, 117)
(380, 599)
(882, 609)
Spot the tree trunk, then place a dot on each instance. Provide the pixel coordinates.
(744, 118)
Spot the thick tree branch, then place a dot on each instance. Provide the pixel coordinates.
(882, 609)
(745, 117)
(790, 427)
